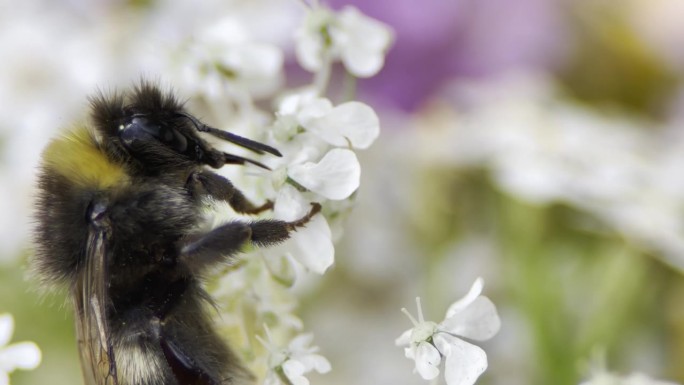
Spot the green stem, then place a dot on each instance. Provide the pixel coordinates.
(322, 77)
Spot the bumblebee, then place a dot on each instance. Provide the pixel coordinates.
(118, 222)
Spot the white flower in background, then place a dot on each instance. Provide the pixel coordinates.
(474, 317)
(359, 41)
(543, 148)
(20, 355)
(225, 51)
(605, 378)
(289, 365)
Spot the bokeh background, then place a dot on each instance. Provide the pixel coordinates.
(536, 143)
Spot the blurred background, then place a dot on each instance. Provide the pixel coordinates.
(536, 143)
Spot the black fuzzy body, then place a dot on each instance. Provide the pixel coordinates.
(130, 250)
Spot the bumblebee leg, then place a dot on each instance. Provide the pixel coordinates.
(215, 246)
(225, 241)
(218, 187)
(269, 231)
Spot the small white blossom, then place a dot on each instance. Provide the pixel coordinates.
(474, 317)
(20, 355)
(359, 41)
(352, 124)
(294, 361)
(225, 51)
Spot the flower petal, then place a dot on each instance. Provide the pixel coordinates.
(404, 338)
(310, 245)
(465, 363)
(335, 177)
(294, 371)
(309, 41)
(281, 267)
(256, 67)
(427, 360)
(351, 122)
(363, 42)
(478, 321)
(290, 205)
(313, 109)
(316, 362)
(6, 328)
(22, 355)
(462, 303)
(4, 378)
(300, 344)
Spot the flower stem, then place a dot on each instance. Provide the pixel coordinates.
(322, 77)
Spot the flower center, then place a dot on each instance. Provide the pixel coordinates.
(423, 331)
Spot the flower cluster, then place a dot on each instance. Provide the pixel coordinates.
(288, 365)
(20, 355)
(358, 41)
(318, 139)
(474, 317)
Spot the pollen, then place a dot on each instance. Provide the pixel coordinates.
(76, 156)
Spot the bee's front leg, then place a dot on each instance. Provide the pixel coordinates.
(223, 242)
(205, 182)
(269, 231)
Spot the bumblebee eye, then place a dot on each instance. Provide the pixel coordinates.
(145, 130)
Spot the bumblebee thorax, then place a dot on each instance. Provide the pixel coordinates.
(77, 157)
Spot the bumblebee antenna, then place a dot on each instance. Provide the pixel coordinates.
(235, 159)
(249, 144)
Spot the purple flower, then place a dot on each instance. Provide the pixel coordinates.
(439, 40)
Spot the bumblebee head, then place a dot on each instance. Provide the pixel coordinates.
(144, 128)
(150, 128)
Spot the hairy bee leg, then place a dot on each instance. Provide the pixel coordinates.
(268, 232)
(209, 183)
(217, 245)
(225, 241)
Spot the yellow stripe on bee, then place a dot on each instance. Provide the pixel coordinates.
(76, 156)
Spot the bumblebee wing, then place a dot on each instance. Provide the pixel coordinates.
(90, 301)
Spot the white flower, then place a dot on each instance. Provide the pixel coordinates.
(224, 50)
(352, 124)
(359, 41)
(474, 317)
(21, 355)
(294, 361)
(362, 41)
